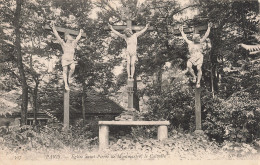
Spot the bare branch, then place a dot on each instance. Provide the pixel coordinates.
(115, 12)
(124, 3)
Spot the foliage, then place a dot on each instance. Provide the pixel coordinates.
(46, 137)
(173, 104)
(179, 146)
(234, 119)
(235, 22)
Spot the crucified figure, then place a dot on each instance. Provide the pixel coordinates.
(195, 53)
(131, 40)
(68, 47)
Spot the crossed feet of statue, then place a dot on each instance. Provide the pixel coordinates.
(67, 88)
(194, 80)
(198, 85)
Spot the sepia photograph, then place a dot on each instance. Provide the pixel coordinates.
(130, 81)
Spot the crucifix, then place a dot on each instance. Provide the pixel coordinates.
(196, 30)
(131, 40)
(68, 63)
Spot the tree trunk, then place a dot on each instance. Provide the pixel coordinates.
(212, 81)
(159, 79)
(35, 102)
(18, 51)
(214, 53)
(83, 98)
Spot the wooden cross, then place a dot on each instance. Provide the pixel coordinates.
(195, 29)
(129, 25)
(66, 97)
(65, 31)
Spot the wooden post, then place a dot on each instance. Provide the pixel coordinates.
(129, 24)
(198, 110)
(66, 103)
(103, 137)
(196, 30)
(162, 132)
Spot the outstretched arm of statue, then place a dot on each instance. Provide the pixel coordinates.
(116, 32)
(142, 31)
(79, 36)
(207, 33)
(56, 33)
(183, 34)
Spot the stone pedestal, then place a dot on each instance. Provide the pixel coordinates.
(130, 91)
(130, 114)
(199, 132)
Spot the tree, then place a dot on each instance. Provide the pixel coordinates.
(228, 16)
(32, 49)
(18, 51)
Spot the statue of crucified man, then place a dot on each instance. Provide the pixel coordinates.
(131, 40)
(68, 47)
(195, 53)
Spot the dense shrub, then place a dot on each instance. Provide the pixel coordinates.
(236, 118)
(52, 137)
(185, 146)
(173, 104)
(213, 117)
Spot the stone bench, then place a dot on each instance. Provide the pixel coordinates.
(104, 129)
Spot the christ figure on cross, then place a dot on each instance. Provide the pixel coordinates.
(68, 47)
(195, 57)
(131, 41)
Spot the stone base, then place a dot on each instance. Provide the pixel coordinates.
(199, 132)
(125, 118)
(130, 115)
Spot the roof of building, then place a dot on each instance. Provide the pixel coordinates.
(95, 103)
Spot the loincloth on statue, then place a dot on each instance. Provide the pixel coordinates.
(132, 55)
(66, 62)
(67, 59)
(196, 59)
